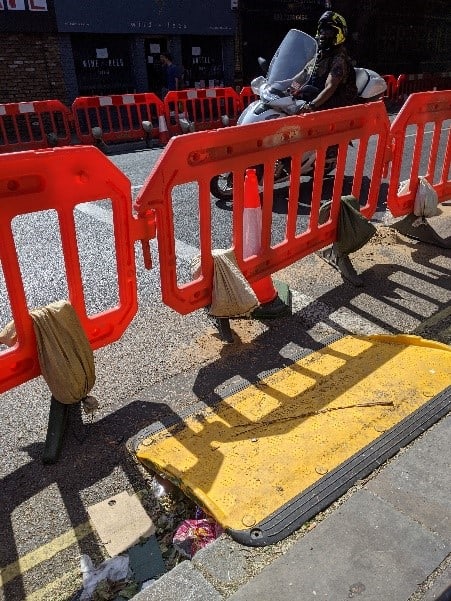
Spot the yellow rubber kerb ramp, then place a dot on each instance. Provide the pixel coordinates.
(272, 455)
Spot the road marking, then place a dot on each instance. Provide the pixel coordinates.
(183, 249)
(99, 213)
(426, 132)
(45, 552)
(57, 586)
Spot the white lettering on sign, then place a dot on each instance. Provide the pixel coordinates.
(33, 5)
(94, 63)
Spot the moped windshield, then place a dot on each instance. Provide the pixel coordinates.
(295, 51)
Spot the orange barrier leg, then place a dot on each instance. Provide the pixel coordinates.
(252, 229)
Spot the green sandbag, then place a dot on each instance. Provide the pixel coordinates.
(353, 230)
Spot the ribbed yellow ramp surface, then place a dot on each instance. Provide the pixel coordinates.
(270, 456)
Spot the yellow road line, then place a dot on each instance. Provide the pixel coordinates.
(45, 552)
(57, 587)
(49, 550)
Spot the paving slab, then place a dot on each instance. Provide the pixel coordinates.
(366, 550)
(111, 520)
(183, 583)
(419, 481)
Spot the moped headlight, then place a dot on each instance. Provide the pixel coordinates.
(257, 83)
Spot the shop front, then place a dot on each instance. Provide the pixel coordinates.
(202, 61)
(116, 48)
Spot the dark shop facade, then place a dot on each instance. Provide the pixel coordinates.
(60, 49)
(392, 37)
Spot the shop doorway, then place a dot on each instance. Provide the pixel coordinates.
(202, 61)
(155, 76)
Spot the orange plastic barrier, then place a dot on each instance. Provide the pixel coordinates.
(421, 110)
(203, 107)
(32, 125)
(198, 157)
(60, 179)
(442, 81)
(413, 83)
(392, 87)
(247, 96)
(120, 116)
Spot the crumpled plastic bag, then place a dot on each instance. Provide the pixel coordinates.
(114, 569)
(193, 535)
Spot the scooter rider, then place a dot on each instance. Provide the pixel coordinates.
(331, 84)
(332, 71)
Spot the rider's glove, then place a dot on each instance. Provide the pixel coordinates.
(300, 107)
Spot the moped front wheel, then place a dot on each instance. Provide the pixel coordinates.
(221, 186)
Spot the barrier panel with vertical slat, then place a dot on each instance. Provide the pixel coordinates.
(203, 107)
(33, 125)
(247, 96)
(119, 116)
(413, 83)
(391, 94)
(198, 157)
(423, 116)
(58, 180)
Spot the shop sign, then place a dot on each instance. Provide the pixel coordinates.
(28, 16)
(145, 16)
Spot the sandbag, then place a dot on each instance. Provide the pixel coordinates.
(65, 355)
(426, 199)
(232, 295)
(8, 336)
(353, 229)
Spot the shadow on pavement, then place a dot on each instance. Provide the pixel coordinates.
(91, 451)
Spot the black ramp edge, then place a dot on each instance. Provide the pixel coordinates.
(333, 485)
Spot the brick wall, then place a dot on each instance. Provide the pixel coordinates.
(30, 68)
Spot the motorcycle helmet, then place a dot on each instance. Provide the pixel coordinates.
(336, 22)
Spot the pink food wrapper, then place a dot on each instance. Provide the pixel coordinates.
(193, 535)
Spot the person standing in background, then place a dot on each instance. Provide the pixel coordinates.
(172, 73)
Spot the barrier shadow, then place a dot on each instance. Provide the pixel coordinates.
(91, 452)
(284, 332)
